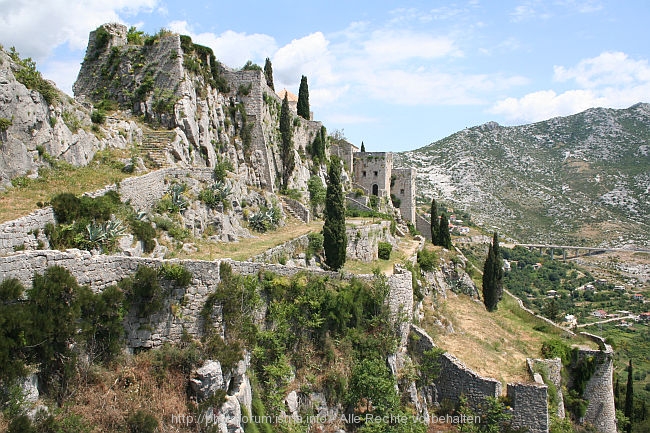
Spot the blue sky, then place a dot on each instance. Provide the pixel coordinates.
(397, 75)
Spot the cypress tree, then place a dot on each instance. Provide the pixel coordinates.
(435, 222)
(268, 73)
(363, 147)
(493, 276)
(286, 151)
(303, 99)
(629, 398)
(334, 238)
(444, 237)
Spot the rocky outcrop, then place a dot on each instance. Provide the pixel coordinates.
(40, 132)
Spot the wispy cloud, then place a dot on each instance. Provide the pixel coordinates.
(611, 79)
(38, 27)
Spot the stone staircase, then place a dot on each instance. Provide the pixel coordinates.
(288, 209)
(155, 145)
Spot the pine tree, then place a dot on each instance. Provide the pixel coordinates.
(435, 222)
(493, 276)
(444, 237)
(286, 153)
(334, 238)
(363, 147)
(268, 73)
(303, 99)
(629, 397)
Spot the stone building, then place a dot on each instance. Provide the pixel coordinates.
(374, 173)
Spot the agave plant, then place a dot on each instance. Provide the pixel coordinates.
(95, 235)
(178, 200)
(113, 229)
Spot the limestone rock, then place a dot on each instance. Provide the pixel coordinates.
(207, 380)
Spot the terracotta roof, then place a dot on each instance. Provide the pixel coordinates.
(290, 96)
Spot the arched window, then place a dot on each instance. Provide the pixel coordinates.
(375, 189)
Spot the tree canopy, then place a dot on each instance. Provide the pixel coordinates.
(493, 276)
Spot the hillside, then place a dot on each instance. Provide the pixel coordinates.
(581, 180)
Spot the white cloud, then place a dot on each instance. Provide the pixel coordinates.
(232, 48)
(63, 73)
(36, 27)
(608, 69)
(546, 104)
(608, 80)
(305, 56)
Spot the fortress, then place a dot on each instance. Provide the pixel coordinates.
(240, 125)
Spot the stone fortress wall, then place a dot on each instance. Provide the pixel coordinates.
(183, 306)
(404, 189)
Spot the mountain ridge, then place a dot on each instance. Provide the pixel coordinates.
(581, 179)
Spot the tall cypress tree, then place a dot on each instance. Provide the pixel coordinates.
(335, 240)
(303, 99)
(444, 237)
(363, 147)
(493, 276)
(435, 222)
(286, 151)
(629, 398)
(268, 73)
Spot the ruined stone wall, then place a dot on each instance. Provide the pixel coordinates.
(345, 151)
(599, 390)
(456, 378)
(181, 313)
(25, 232)
(363, 242)
(404, 189)
(373, 168)
(529, 404)
(423, 226)
(552, 369)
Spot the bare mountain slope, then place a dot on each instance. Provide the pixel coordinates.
(582, 179)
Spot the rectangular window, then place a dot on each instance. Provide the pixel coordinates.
(363, 174)
(401, 191)
(376, 173)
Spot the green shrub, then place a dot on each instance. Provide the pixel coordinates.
(383, 250)
(144, 232)
(427, 260)
(221, 170)
(5, 124)
(142, 422)
(374, 202)
(315, 246)
(98, 117)
(143, 291)
(176, 273)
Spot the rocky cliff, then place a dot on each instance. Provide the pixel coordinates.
(214, 113)
(39, 124)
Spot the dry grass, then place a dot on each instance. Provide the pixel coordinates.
(20, 201)
(246, 248)
(111, 395)
(492, 344)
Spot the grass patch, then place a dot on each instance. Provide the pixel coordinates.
(20, 201)
(247, 248)
(514, 336)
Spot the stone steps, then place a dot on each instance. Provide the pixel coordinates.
(155, 145)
